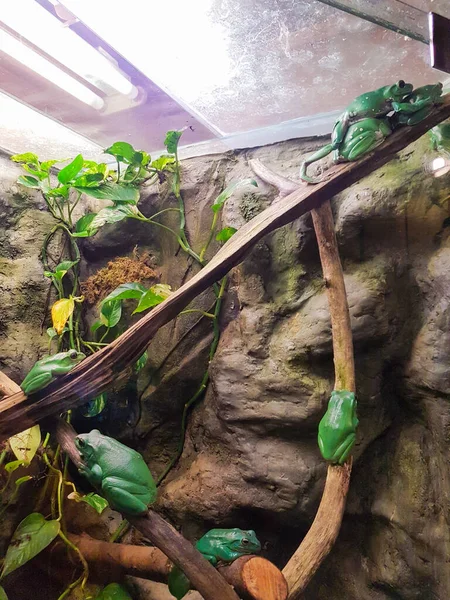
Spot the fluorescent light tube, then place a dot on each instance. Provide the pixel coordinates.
(34, 23)
(28, 57)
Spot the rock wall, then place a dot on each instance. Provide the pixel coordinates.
(251, 457)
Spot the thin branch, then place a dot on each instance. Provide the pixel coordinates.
(325, 528)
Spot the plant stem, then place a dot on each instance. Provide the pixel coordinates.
(120, 531)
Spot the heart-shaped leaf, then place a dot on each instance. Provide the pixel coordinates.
(28, 181)
(70, 171)
(95, 407)
(126, 291)
(116, 192)
(110, 313)
(24, 445)
(32, 535)
(123, 151)
(61, 311)
(225, 234)
(92, 499)
(112, 214)
(140, 363)
(171, 141)
(152, 297)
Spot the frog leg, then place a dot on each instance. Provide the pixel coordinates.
(420, 115)
(39, 382)
(362, 144)
(343, 451)
(94, 475)
(124, 496)
(313, 158)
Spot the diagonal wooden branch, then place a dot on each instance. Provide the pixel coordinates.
(325, 528)
(100, 370)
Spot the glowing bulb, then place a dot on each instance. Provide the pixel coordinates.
(438, 163)
(46, 69)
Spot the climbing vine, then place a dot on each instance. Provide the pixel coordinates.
(62, 193)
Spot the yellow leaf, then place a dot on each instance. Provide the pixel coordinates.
(61, 311)
(25, 444)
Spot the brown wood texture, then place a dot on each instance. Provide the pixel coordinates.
(100, 370)
(254, 578)
(325, 528)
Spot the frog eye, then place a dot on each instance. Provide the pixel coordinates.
(401, 83)
(81, 442)
(245, 541)
(73, 354)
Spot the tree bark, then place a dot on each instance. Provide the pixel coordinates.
(325, 528)
(253, 577)
(100, 370)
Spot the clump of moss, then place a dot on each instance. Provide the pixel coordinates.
(120, 270)
(251, 205)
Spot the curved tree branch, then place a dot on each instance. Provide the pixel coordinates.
(325, 528)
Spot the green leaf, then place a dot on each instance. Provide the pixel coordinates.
(70, 171)
(141, 362)
(152, 297)
(112, 214)
(23, 480)
(3, 595)
(112, 191)
(225, 234)
(27, 158)
(227, 192)
(95, 406)
(110, 313)
(36, 172)
(96, 326)
(83, 227)
(32, 535)
(28, 181)
(63, 267)
(122, 151)
(171, 141)
(13, 465)
(92, 499)
(62, 191)
(51, 332)
(89, 180)
(125, 291)
(48, 164)
(164, 162)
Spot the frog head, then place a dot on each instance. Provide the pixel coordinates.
(67, 360)
(431, 92)
(89, 445)
(245, 541)
(398, 91)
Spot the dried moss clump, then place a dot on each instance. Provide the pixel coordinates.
(120, 270)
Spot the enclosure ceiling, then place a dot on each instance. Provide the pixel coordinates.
(79, 74)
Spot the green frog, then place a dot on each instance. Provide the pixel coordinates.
(114, 591)
(440, 138)
(417, 105)
(337, 429)
(48, 368)
(119, 472)
(218, 545)
(364, 111)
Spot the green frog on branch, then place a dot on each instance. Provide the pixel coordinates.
(217, 546)
(48, 368)
(372, 117)
(337, 429)
(120, 473)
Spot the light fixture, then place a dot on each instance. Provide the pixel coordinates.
(47, 33)
(440, 166)
(31, 59)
